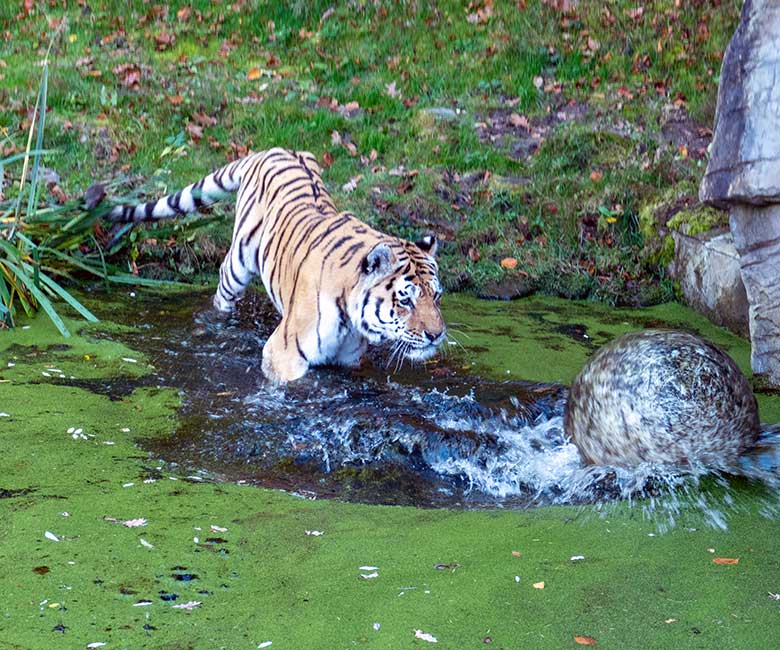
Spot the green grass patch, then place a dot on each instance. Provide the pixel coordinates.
(129, 78)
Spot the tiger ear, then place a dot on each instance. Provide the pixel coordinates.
(428, 244)
(379, 260)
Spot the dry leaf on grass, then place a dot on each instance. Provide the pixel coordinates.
(584, 640)
(725, 560)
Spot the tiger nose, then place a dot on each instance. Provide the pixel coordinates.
(433, 336)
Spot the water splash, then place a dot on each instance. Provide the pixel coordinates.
(426, 437)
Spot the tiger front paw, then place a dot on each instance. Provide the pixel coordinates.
(281, 365)
(221, 305)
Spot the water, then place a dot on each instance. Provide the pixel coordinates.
(430, 436)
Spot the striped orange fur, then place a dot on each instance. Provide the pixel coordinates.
(338, 284)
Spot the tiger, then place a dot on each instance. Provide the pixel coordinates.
(338, 284)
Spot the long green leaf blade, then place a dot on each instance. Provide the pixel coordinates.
(43, 301)
(34, 189)
(62, 293)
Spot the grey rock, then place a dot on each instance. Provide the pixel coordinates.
(757, 239)
(661, 397)
(441, 113)
(745, 158)
(708, 270)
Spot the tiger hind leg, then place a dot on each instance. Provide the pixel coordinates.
(234, 277)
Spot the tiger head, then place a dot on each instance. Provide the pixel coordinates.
(397, 298)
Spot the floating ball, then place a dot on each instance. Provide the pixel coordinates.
(662, 397)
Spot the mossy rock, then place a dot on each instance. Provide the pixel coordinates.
(677, 210)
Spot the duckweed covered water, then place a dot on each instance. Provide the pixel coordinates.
(259, 570)
(432, 435)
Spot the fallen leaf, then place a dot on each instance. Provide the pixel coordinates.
(195, 131)
(129, 74)
(509, 262)
(584, 640)
(327, 159)
(58, 193)
(328, 13)
(204, 120)
(516, 553)
(175, 99)
(538, 585)
(596, 176)
(725, 560)
(352, 184)
(391, 90)
(519, 120)
(335, 138)
(254, 74)
(164, 40)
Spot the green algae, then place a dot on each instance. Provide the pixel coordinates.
(548, 339)
(260, 577)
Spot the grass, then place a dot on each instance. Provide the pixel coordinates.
(128, 82)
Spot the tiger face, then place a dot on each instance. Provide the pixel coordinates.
(398, 300)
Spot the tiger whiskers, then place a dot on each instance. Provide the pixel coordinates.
(405, 345)
(396, 352)
(454, 339)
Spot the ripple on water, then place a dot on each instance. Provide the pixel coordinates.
(428, 438)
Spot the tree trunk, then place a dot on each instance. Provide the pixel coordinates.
(756, 233)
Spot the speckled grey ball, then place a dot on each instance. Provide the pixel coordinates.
(663, 397)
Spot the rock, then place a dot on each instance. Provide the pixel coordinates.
(743, 173)
(94, 195)
(508, 288)
(756, 236)
(744, 165)
(661, 397)
(707, 266)
(441, 113)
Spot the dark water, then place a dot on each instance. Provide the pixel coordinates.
(430, 435)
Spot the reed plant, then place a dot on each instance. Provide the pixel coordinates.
(44, 248)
